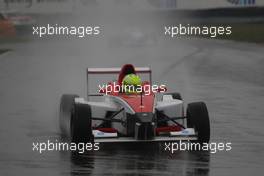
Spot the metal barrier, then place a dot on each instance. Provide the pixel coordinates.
(60, 6)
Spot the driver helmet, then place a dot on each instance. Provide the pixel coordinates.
(131, 82)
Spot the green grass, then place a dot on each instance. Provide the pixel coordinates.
(246, 32)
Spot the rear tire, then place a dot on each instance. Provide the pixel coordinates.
(66, 108)
(81, 124)
(198, 118)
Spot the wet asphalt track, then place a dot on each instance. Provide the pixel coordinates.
(228, 76)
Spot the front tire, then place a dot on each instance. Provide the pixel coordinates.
(66, 108)
(198, 118)
(81, 124)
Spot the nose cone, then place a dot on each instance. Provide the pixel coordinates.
(144, 126)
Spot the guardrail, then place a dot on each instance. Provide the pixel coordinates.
(60, 6)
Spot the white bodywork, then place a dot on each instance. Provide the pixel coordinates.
(172, 108)
(169, 106)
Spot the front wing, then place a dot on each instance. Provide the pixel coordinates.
(187, 134)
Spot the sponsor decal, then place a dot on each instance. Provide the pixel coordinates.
(242, 2)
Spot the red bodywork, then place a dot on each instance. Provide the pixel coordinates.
(138, 102)
(135, 102)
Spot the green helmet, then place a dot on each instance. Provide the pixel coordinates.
(131, 82)
(132, 79)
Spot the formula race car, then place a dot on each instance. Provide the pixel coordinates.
(131, 117)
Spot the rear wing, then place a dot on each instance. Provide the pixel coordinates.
(114, 70)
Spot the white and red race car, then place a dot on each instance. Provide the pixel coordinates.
(132, 117)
